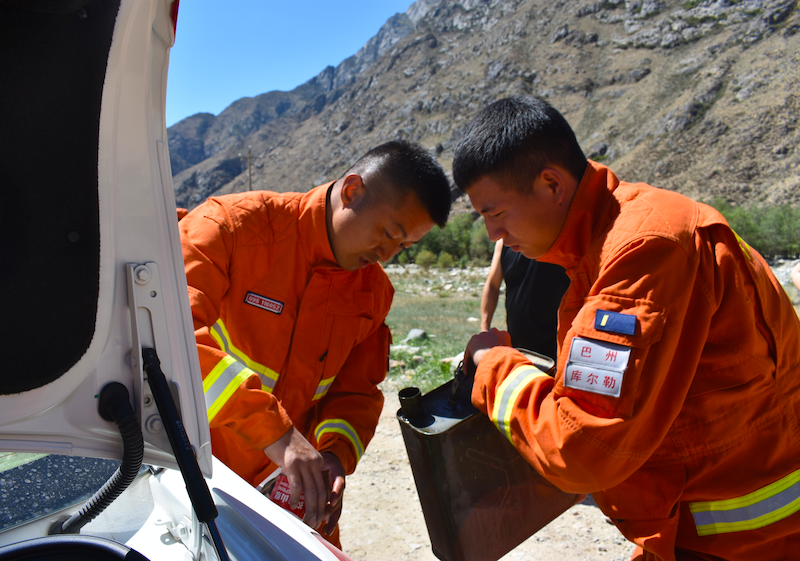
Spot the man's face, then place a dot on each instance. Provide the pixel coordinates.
(366, 233)
(526, 222)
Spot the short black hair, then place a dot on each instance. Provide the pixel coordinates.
(407, 168)
(514, 139)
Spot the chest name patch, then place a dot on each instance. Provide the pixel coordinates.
(264, 303)
(615, 322)
(596, 366)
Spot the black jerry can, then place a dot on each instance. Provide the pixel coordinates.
(479, 496)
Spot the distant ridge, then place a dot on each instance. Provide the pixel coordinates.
(696, 96)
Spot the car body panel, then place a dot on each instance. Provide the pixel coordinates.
(142, 302)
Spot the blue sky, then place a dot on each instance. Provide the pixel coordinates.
(229, 49)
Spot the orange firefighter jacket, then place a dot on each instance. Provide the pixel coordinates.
(285, 336)
(676, 401)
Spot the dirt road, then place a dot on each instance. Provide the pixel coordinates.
(382, 519)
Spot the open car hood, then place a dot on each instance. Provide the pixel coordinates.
(92, 266)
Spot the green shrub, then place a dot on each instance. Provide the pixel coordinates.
(773, 231)
(445, 261)
(481, 247)
(425, 258)
(454, 238)
(432, 241)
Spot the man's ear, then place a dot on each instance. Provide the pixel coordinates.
(554, 184)
(353, 190)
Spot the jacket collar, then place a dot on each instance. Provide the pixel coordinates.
(586, 217)
(313, 227)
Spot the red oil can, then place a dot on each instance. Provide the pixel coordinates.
(280, 495)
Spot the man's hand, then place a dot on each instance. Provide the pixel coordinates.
(303, 465)
(480, 344)
(333, 467)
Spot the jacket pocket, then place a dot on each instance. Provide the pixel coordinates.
(349, 322)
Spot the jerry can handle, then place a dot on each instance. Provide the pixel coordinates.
(455, 388)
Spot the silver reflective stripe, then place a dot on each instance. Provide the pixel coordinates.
(323, 388)
(340, 426)
(508, 393)
(269, 378)
(221, 382)
(760, 508)
(222, 337)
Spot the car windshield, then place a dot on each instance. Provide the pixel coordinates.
(33, 486)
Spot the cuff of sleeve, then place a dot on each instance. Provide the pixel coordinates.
(342, 450)
(278, 426)
(495, 365)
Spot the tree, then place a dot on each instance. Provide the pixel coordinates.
(425, 258)
(445, 261)
(481, 247)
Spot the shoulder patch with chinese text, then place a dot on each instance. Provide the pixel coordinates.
(596, 366)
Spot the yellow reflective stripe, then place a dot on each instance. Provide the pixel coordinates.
(760, 508)
(323, 387)
(340, 426)
(744, 246)
(221, 382)
(269, 378)
(508, 393)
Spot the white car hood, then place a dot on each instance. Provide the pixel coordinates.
(139, 261)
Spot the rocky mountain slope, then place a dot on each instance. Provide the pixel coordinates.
(699, 96)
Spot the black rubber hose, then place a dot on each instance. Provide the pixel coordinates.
(114, 406)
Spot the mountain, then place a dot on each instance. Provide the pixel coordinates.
(697, 96)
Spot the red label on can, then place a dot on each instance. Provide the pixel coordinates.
(280, 495)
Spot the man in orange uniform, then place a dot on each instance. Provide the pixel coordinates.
(676, 401)
(289, 303)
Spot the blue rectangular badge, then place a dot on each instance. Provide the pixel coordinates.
(614, 322)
